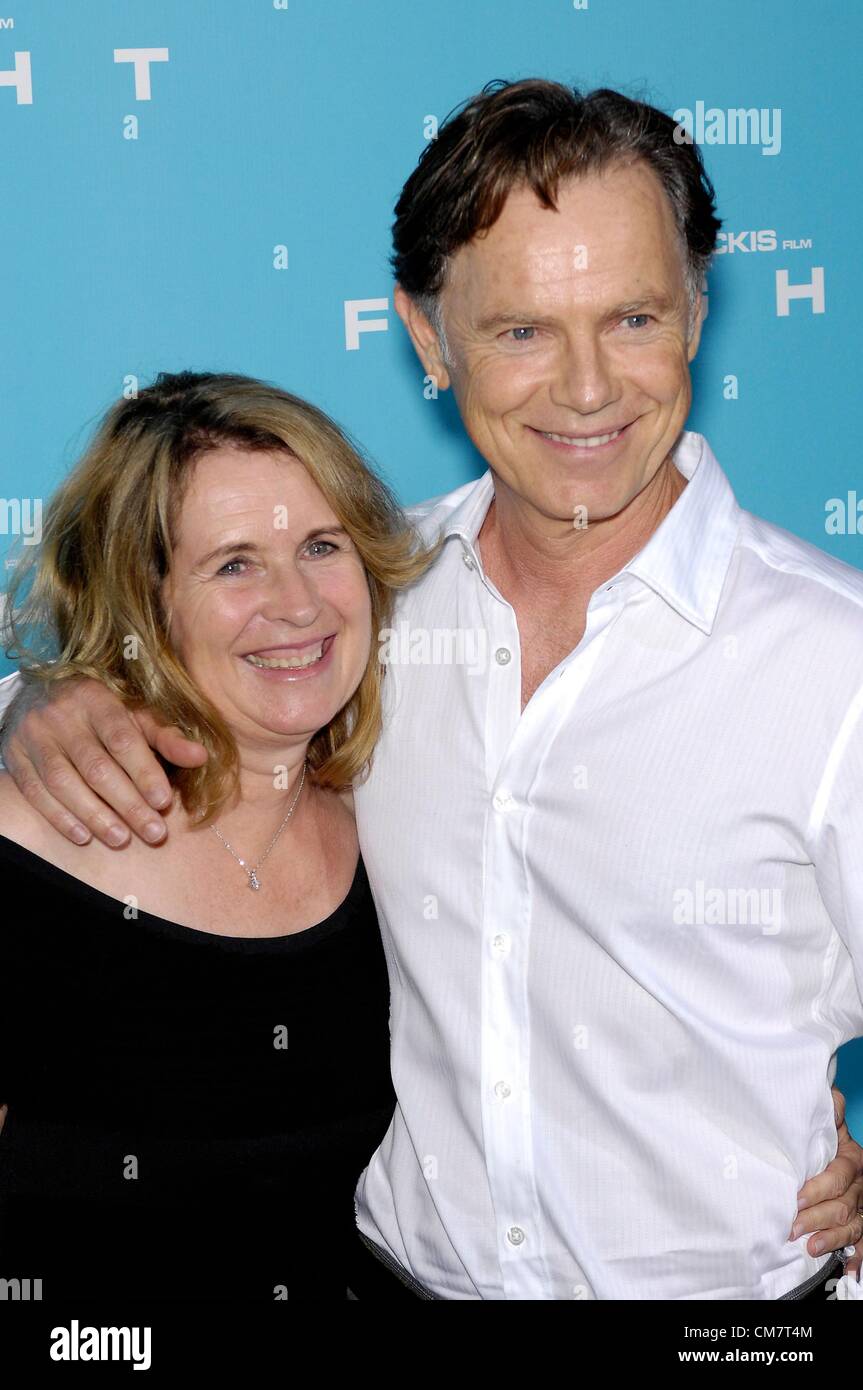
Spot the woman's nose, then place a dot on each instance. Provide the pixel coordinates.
(291, 597)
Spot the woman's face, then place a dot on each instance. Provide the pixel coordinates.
(268, 602)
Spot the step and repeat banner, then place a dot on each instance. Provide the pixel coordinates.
(209, 184)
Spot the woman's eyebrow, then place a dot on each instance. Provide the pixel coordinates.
(253, 548)
(327, 531)
(228, 548)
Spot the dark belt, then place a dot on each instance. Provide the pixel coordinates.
(374, 1276)
(821, 1285)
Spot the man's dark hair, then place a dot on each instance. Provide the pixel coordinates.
(537, 133)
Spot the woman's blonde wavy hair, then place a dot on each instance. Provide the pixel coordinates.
(87, 600)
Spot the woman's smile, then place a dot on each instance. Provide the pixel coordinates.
(295, 662)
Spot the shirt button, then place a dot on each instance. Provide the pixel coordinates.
(515, 1235)
(502, 1090)
(468, 559)
(502, 656)
(500, 943)
(503, 800)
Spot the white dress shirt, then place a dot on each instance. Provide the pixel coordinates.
(624, 927)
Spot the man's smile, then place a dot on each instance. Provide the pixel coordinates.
(582, 443)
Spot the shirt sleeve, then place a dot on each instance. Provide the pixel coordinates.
(837, 835)
(9, 687)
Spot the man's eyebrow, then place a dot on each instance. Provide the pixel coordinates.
(252, 547)
(663, 302)
(515, 318)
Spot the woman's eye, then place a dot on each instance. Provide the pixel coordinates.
(229, 569)
(522, 335)
(328, 546)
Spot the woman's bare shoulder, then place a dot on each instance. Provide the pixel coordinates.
(93, 863)
(18, 820)
(21, 823)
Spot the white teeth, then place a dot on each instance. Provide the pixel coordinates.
(287, 663)
(590, 443)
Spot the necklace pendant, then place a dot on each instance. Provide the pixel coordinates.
(254, 881)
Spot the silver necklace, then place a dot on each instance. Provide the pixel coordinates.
(254, 881)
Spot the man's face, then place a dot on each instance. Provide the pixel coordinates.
(565, 327)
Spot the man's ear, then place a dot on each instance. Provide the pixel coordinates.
(423, 336)
(695, 336)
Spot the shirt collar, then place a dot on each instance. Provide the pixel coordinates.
(687, 557)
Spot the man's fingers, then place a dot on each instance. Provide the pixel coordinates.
(839, 1175)
(168, 740)
(109, 811)
(90, 757)
(84, 776)
(119, 732)
(836, 1237)
(32, 788)
(829, 1205)
(841, 1213)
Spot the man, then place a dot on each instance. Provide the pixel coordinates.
(613, 861)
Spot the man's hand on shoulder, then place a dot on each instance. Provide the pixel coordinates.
(85, 762)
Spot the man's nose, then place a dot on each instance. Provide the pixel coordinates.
(585, 380)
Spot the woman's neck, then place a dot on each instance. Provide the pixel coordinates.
(268, 785)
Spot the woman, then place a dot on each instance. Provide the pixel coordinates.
(194, 1040)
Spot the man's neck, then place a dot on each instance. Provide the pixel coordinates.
(534, 562)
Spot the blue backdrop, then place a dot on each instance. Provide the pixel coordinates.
(209, 184)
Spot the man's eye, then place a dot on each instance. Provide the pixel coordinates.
(522, 335)
(637, 320)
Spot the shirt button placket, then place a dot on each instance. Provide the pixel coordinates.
(507, 1139)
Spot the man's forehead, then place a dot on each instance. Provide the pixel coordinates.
(604, 224)
(608, 198)
(547, 265)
